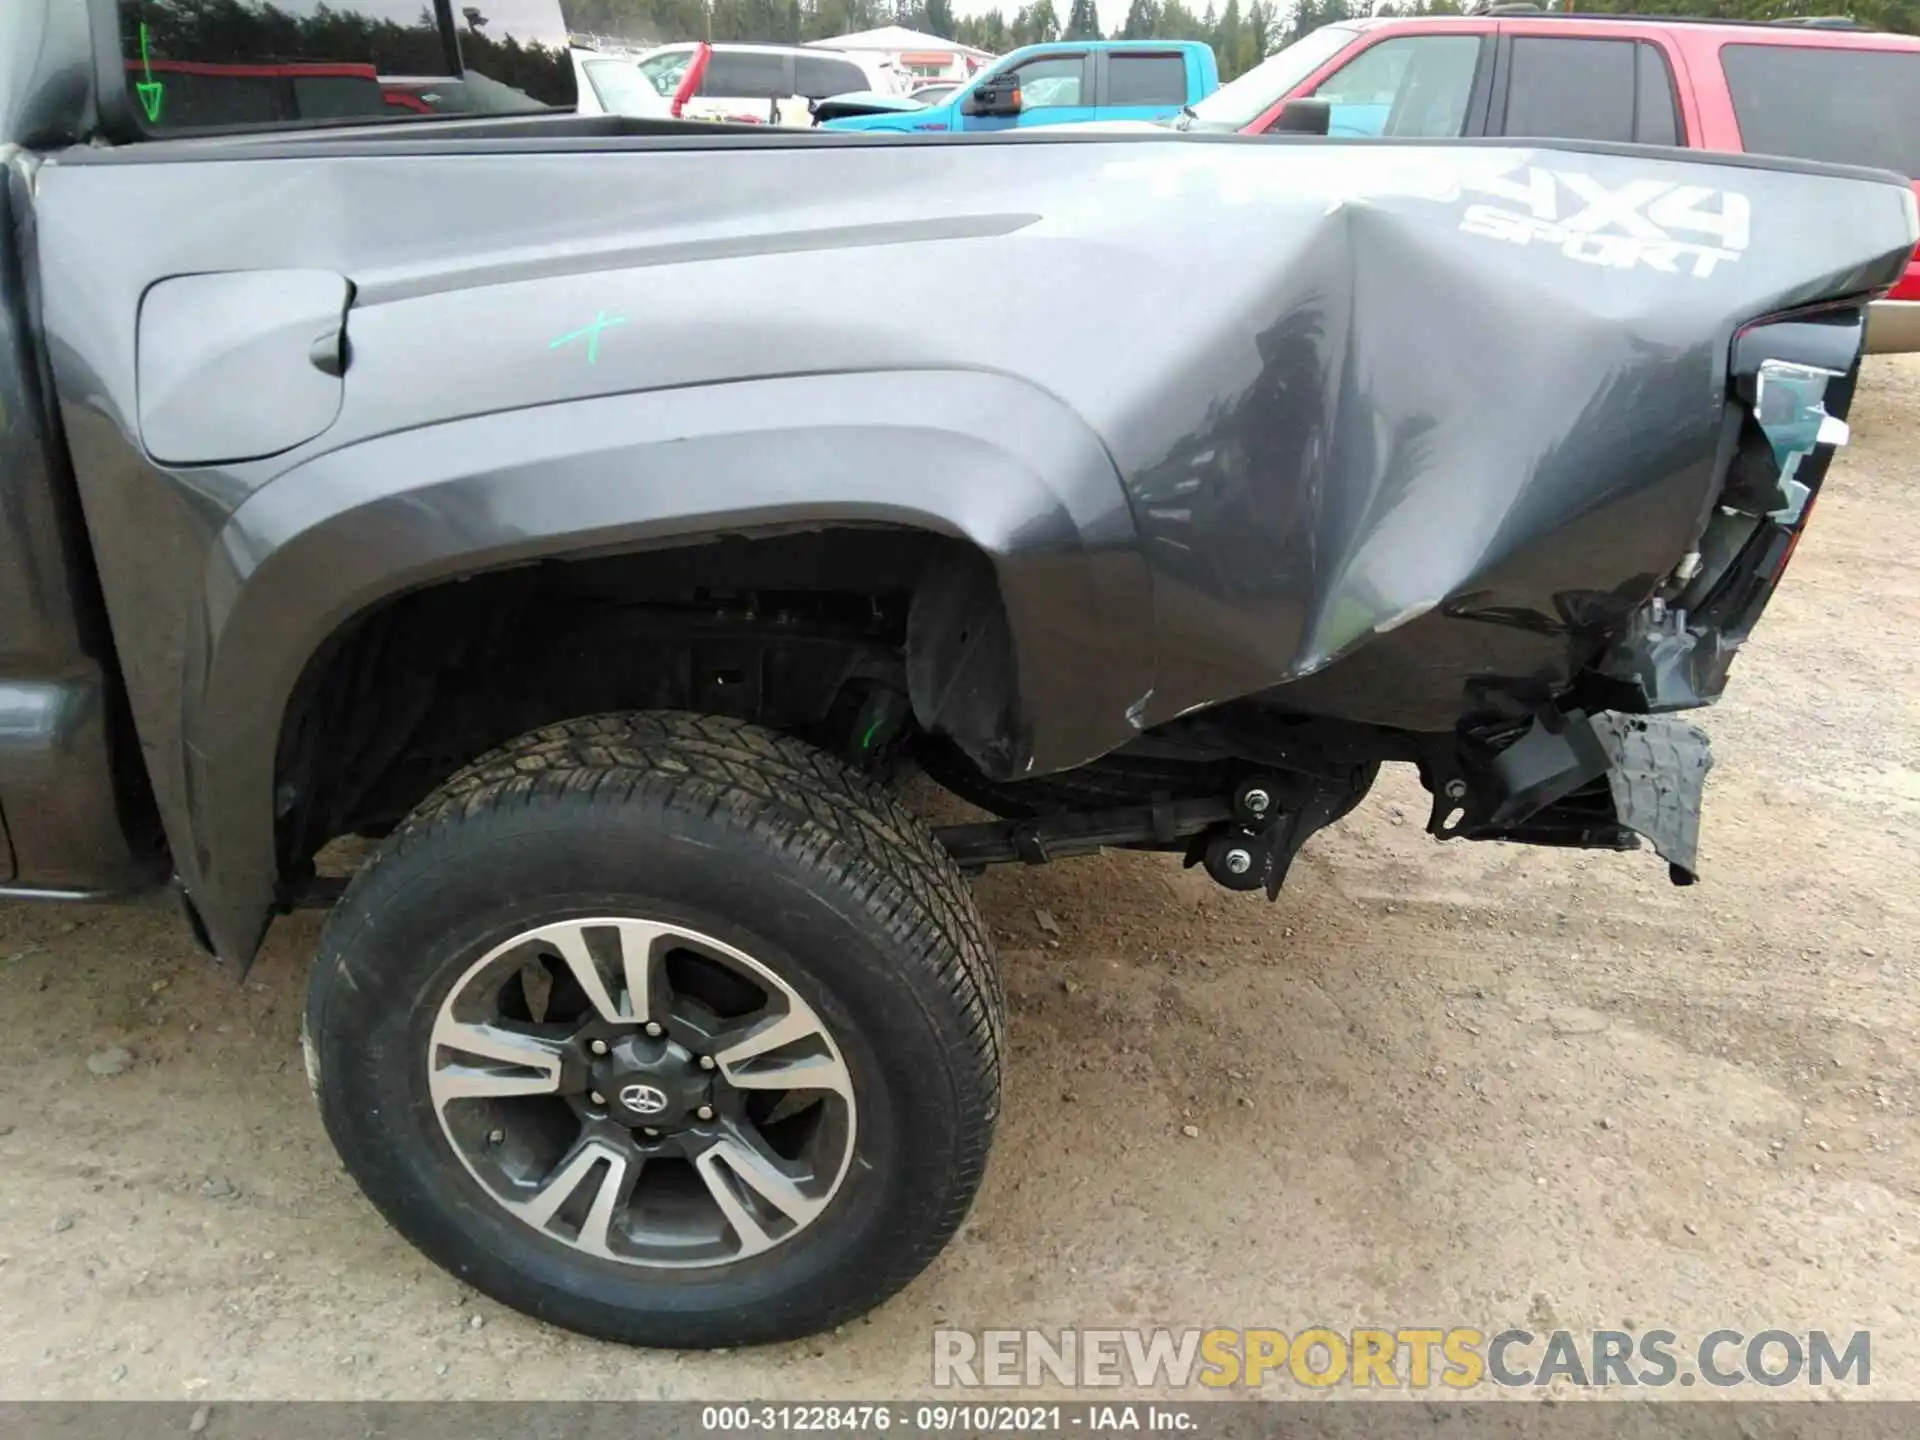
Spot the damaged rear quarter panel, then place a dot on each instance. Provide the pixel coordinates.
(1372, 447)
(1483, 418)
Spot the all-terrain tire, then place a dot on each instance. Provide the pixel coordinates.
(731, 831)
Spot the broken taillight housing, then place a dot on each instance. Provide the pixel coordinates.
(1788, 377)
(1790, 405)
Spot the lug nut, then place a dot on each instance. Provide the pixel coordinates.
(496, 1137)
(1456, 788)
(1257, 801)
(706, 1062)
(597, 1097)
(599, 1047)
(705, 1112)
(1239, 862)
(655, 1029)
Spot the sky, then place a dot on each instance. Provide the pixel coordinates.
(1112, 12)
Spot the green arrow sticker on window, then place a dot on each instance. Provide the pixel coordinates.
(152, 92)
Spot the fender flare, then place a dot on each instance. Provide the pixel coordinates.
(978, 456)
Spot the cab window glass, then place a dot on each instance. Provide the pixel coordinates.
(214, 64)
(664, 71)
(1851, 107)
(620, 87)
(746, 75)
(1417, 85)
(1146, 79)
(818, 77)
(1050, 81)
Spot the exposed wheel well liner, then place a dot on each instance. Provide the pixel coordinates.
(820, 633)
(975, 460)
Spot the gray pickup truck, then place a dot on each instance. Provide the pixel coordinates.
(594, 516)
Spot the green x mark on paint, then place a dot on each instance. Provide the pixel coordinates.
(590, 334)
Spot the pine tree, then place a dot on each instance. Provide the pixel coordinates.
(939, 18)
(1226, 39)
(1260, 29)
(1083, 21)
(1036, 24)
(1174, 21)
(1143, 16)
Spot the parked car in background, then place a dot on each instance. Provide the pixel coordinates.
(767, 84)
(863, 102)
(613, 85)
(935, 93)
(1064, 82)
(1809, 89)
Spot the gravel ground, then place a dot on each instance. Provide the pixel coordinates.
(1470, 1085)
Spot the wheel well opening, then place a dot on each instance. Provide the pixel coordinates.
(812, 633)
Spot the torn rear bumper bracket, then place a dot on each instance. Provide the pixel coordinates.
(1590, 781)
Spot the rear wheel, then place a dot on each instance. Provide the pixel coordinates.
(663, 1028)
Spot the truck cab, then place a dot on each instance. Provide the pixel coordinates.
(1062, 83)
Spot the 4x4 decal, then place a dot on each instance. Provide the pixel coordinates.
(1679, 229)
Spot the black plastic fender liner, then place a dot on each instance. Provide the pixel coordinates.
(1039, 502)
(960, 661)
(1590, 782)
(1657, 769)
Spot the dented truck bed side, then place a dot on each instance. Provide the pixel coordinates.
(1396, 434)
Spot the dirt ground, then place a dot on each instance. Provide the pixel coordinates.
(1459, 1085)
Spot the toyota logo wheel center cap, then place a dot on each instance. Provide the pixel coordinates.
(651, 1083)
(643, 1099)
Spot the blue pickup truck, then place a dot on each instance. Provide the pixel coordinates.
(1052, 84)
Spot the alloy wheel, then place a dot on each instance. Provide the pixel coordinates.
(642, 1092)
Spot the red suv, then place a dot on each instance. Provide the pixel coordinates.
(1814, 89)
